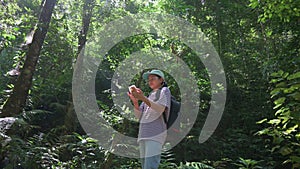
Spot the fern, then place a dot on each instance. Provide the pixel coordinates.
(194, 165)
(167, 160)
(248, 164)
(35, 115)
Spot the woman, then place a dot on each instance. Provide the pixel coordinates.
(152, 128)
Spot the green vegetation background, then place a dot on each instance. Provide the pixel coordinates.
(258, 43)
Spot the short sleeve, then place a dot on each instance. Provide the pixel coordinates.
(165, 97)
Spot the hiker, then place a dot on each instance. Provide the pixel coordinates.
(152, 127)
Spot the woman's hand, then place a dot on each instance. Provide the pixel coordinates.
(135, 102)
(133, 99)
(138, 94)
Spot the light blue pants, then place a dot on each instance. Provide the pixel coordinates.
(150, 152)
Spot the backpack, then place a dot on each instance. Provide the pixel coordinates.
(174, 114)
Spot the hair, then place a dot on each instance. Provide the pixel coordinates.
(164, 83)
(157, 95)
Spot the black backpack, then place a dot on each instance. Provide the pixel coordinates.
(174, 114)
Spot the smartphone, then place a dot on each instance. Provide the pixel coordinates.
(130, 88)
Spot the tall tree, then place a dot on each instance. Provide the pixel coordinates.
(16, 102)
(86, 20)
(87, 13)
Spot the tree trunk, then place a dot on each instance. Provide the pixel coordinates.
(219, 28)
(86, 19)
(16, 102)
(71, 121)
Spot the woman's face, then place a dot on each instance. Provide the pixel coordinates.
(154, 81)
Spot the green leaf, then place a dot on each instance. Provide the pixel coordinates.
(275, 80)
(295, 95)
(285, 151)
(284, 119)
(253, 3)
(281, 111)
(280, 101)
(291, 88)
(262, 132)
(285, 75)
(295, 159)
(275, 91)
(294, 76)
(296, 116)
(277, 106)
(275, 148)
(281, 84)
(269, 33)
(277, 74)
(16, 29)
(261, 121)
(274, 121)
(277, 140)
(292, 129)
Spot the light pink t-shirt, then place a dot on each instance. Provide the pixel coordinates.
(152, 125)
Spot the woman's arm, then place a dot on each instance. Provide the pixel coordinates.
(155, 106)
(139, 95)
(137, 112)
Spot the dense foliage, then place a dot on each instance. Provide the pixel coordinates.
(257, 41)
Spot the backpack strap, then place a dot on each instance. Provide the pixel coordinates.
(157, 96)
(165, 118)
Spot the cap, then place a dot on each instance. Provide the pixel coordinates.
(153, 72)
